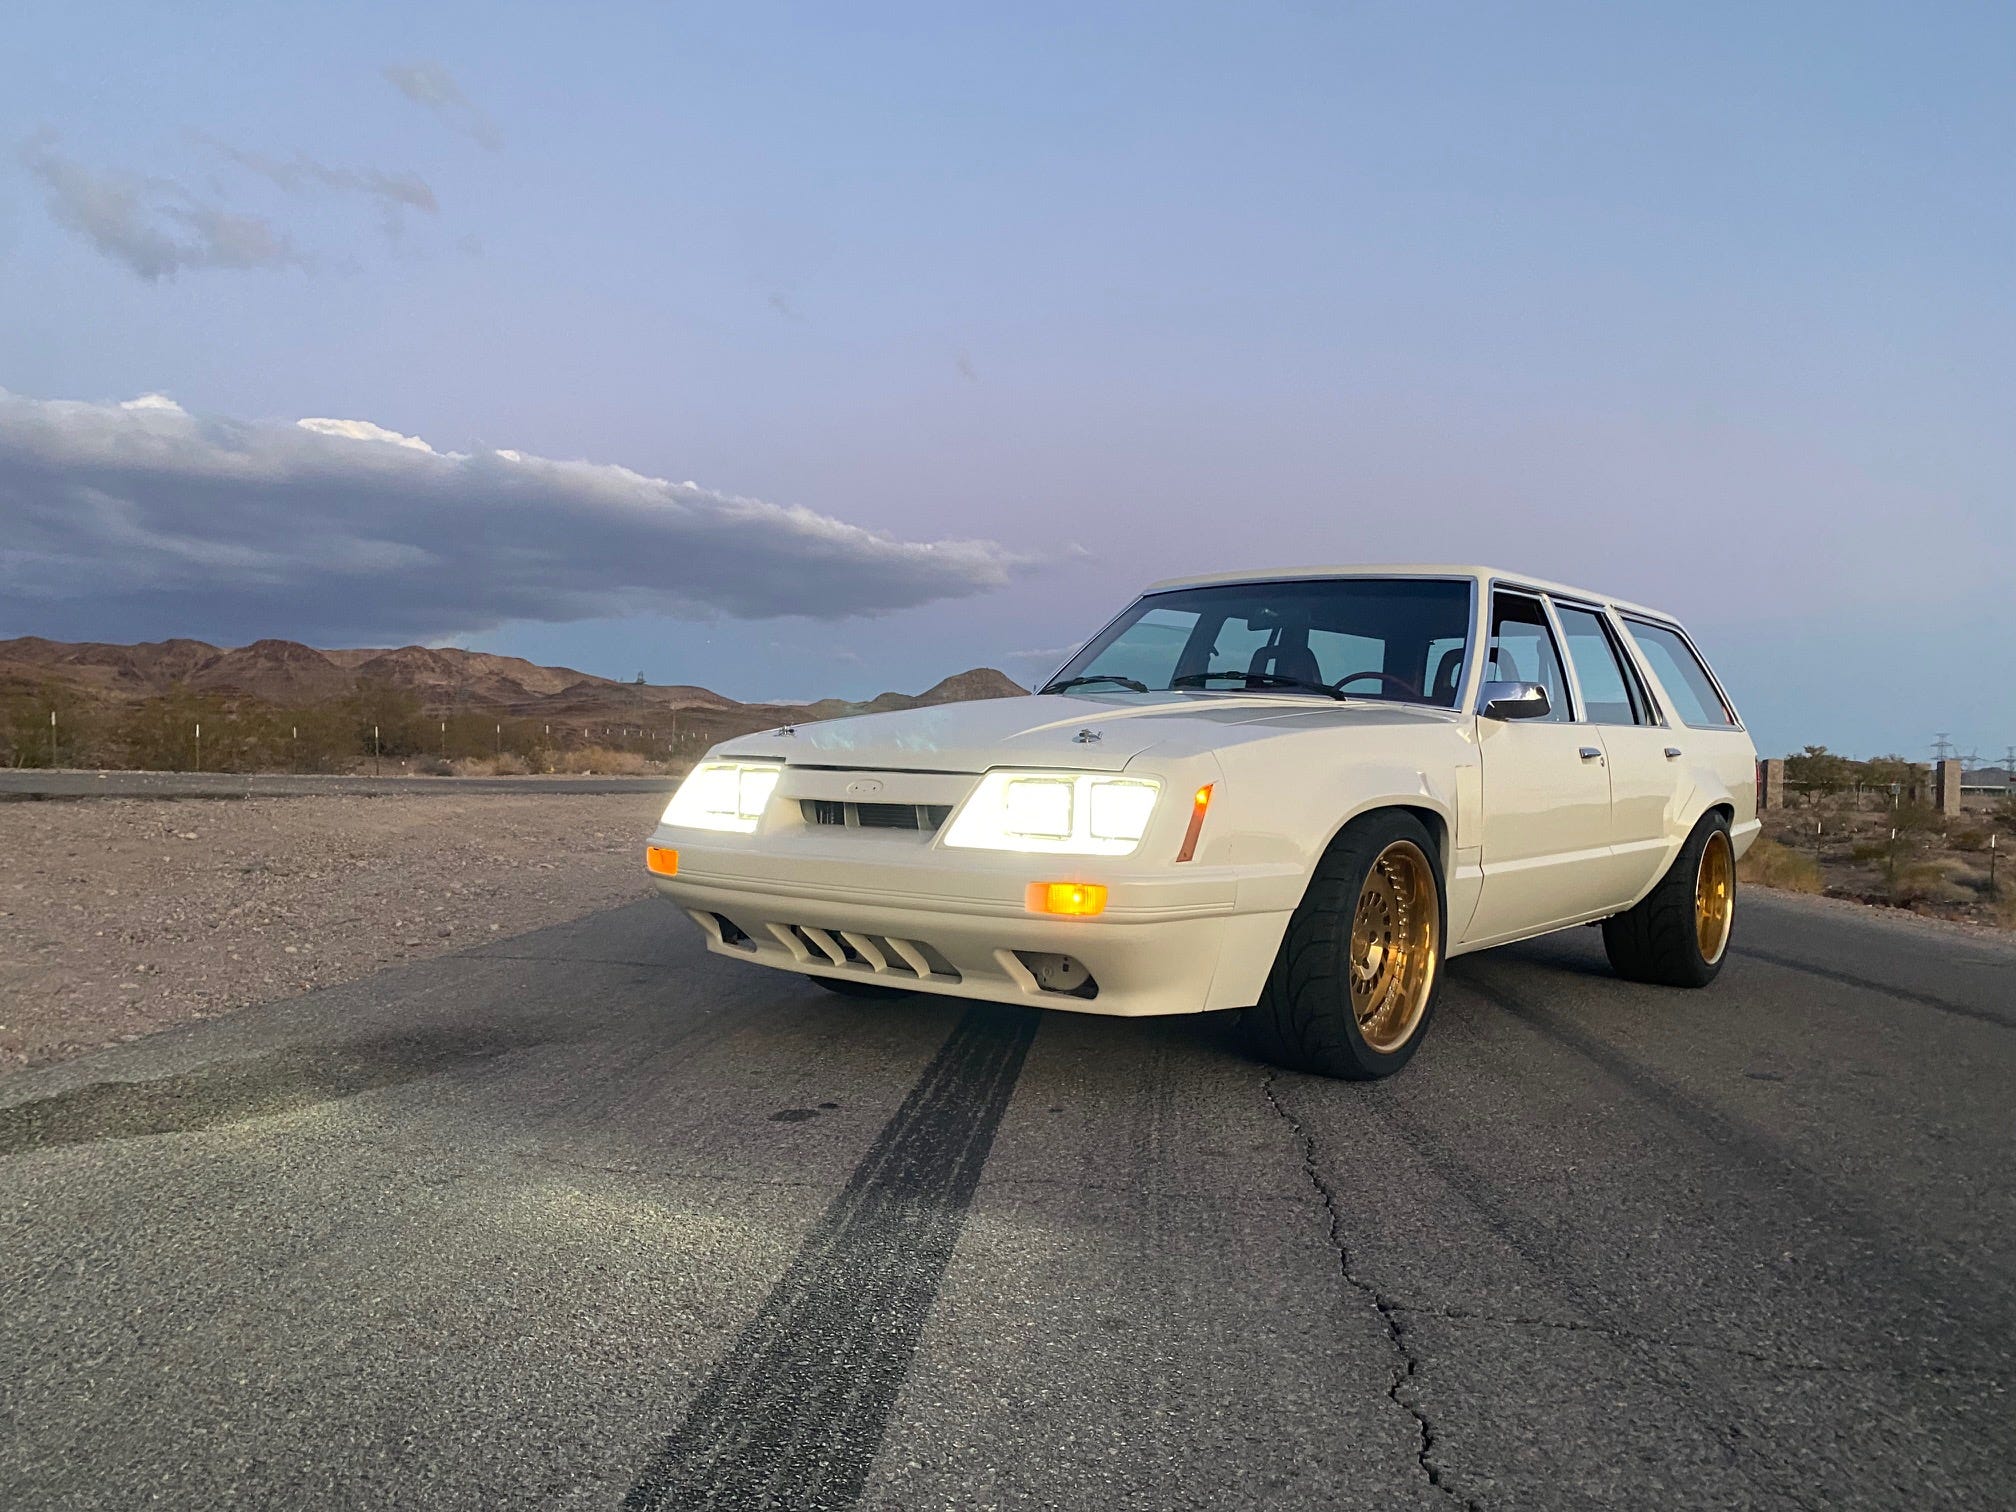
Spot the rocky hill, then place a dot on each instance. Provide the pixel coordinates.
(447, 681)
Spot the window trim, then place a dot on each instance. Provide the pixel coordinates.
(1653, 621)
(1553, 629)
(1618, 641)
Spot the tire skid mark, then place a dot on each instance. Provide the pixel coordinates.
(791, 1420)
(1931, 1286)
(1870, 984)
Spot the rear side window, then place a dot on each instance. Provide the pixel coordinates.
(1681, 674)
(1610, 694)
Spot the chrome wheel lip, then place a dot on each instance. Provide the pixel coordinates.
(1714, 897)
(1395, 948)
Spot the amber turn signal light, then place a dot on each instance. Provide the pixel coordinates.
(1198, 806)
(661, 860)
(1075, 899)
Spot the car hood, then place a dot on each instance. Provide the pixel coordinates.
(1088, 733)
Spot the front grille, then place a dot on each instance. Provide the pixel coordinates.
(897, 816)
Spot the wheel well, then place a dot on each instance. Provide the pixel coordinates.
(1437, 827)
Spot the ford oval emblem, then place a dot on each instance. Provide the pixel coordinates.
(865, 787)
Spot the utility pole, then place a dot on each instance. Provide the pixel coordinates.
(1942, 747)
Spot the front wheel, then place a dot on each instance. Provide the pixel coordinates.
(1353, 987)
(1678, 934)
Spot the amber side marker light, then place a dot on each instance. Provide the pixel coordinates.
(661, 860)
(1075, 899)
(1197, 807)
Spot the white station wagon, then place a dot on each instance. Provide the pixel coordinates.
(1292, 793)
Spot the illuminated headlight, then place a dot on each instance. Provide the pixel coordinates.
(1061, 813)
(724, 795)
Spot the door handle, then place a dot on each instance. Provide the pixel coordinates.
(1672, 753)
(1591, 753)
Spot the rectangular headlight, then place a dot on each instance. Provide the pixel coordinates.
(724, 795)
(1055, 813)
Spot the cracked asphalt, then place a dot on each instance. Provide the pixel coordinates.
(588, 1218)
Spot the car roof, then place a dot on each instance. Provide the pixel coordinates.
(1484, 576)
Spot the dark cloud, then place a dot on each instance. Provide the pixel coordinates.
(154, 226)
(141, 520)
(430, 85)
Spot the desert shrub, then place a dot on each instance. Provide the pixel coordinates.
(1915, 818)
(511, 764)
(1871, 850)
(1968, 838)
(602, 760)
(1769, 864)
(2004, 814)
(2005, 907)
(1927, 882)
(434, 766)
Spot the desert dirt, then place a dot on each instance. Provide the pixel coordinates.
(122, 917)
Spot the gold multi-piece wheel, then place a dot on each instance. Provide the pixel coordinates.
(1395, 945)
(1714, 896)
(1353, 986)
(1678, 933)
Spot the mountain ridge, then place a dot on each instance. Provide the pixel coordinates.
(447, 680)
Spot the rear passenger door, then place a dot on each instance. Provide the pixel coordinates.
(1619, 712)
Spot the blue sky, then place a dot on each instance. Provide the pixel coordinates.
(1708, 305)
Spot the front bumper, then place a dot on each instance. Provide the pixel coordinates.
(886, 909)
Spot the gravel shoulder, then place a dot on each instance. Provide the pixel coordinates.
(122, 917)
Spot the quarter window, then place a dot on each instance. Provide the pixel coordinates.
(1522, 650)
(1609, 693)
(1688, 686)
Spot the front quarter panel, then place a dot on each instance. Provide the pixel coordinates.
(1287, 798)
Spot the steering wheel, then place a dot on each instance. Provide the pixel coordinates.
(1406, 688)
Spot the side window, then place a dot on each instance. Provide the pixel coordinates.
(1522, 649)
(1609, 694)
(1681, 674)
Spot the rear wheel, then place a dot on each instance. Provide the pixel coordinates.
(1352, 990)
(848, 987)
(1678, 934)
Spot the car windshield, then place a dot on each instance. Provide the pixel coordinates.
(1363, 637)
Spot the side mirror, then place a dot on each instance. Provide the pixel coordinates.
(1515, 700)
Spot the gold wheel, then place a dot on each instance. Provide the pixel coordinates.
(1714, 896)
(1395, 946)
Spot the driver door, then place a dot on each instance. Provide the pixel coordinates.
(1546, 829)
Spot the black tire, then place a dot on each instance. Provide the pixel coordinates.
(1304, 1019)
(1659, 940)
(848, 987)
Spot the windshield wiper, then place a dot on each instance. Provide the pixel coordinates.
(1258, 680)
(1096, 677)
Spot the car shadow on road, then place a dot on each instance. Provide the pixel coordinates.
(236, 1091)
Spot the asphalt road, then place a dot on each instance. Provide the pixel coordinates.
(587, 1218)
(25, 784)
